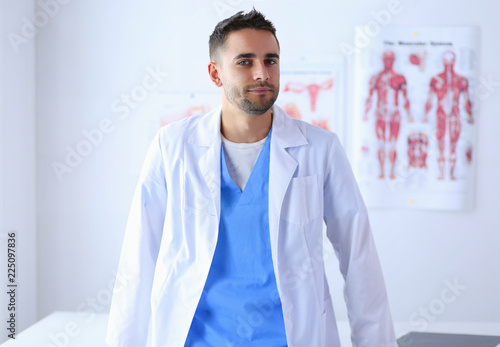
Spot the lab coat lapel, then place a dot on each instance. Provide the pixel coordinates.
(207, 134)
(282, 167)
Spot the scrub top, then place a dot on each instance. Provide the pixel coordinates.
(240, 304)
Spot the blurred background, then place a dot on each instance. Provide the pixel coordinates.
(79, 83)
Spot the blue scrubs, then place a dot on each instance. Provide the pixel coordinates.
(240, 304)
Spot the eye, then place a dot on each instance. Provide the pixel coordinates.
(271, 62)
(244, 62)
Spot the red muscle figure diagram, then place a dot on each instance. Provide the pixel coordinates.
(447, 87)
(389, 86)
(313, 89)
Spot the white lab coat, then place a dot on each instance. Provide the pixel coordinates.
(173, 226)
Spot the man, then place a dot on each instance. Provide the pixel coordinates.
(447, 87)
(226, 229)
(389, 85)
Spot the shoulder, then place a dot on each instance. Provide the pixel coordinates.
(319, 140)
(374, 78)
(179, 128)
(173, 136)
(313, 132)
(462, 81)
(398, 79)
(436, 79)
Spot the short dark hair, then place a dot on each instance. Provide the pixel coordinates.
(251, 20)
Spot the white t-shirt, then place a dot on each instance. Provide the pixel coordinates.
(240, 159)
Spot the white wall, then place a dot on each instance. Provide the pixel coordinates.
(91, 52)
(17, 164)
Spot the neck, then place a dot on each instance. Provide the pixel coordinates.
(239, 127)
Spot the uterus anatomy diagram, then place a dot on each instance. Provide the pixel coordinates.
(312, 90)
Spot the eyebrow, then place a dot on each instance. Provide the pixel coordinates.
(252, 55)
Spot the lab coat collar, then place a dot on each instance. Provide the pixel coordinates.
(285, 131)
(206, 133)
(207, 130)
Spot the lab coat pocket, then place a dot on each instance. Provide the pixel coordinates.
(302, 200)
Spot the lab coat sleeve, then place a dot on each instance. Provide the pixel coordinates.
(349, 231)
(130, 308)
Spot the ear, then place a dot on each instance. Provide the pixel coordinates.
(214, 73)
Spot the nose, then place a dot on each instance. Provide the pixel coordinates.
(260, 71)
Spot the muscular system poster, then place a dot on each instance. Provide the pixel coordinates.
(415, 115)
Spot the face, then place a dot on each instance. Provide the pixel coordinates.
(248, 69)
(388, 59)
(448, 59)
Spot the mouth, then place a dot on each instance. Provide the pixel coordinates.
(263, 88)
(260, 90)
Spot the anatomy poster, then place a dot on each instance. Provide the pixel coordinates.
(165, 107)
(311, 90)
(415, 117)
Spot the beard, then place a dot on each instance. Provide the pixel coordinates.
(257, 107)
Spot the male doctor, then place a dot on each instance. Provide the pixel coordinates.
(223, 246)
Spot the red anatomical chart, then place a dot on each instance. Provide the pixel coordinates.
(388, 87)
(414, 129)
(446, 90)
